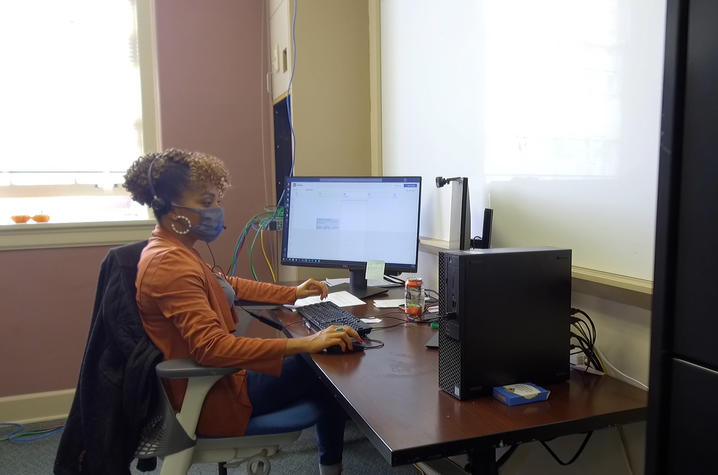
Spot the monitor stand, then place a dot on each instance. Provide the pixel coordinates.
(357, 285)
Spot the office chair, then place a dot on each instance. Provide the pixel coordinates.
(173, 435)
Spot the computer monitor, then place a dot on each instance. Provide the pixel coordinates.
(343, 222)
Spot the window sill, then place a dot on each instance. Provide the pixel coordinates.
(57, 235)
(432, 246)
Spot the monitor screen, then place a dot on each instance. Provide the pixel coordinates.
(347, 221)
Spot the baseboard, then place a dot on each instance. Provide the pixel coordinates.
(36, 407)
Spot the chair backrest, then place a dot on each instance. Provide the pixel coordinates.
(116, 390)
(163, 434)
(129, 256)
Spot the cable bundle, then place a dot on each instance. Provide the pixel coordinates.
(263, 218)
(583, 338)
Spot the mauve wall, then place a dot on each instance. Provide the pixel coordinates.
(212, 98)
(45, 310)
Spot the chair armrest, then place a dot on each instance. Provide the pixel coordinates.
(200, 381)
(187, 368)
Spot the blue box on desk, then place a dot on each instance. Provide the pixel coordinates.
(524, 393)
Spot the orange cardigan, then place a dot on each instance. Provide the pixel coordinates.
(185, 313)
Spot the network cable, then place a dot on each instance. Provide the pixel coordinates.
(240, 240)
(269, 264)
(260, 229)
(583, 335)
(18, 434)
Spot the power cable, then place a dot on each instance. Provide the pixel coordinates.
(576, 455)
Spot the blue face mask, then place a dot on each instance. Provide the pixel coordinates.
(210, 225)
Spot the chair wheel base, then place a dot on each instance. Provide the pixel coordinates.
(258, 465)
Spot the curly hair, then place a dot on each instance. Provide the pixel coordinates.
(173, 172)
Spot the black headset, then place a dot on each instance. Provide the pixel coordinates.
(158, 204)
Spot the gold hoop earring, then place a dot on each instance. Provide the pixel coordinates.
(187, 225)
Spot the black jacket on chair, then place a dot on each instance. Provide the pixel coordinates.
(117, 388)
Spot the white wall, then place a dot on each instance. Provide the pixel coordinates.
(330, 94)
(552, 109)
(430, 65)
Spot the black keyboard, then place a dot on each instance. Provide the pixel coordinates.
(325, 314)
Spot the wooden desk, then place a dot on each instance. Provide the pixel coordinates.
(393, 395)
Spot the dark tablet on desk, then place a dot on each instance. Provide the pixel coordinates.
(433, 342)
(248, 304)
(254, 310)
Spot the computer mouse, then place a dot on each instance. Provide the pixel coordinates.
(356, 346)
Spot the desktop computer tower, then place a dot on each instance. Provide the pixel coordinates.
(503, 318)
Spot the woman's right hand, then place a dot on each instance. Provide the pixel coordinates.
(330, 336)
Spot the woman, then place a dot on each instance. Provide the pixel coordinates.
(187, 310)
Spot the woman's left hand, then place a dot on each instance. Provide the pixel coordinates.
(312, 287)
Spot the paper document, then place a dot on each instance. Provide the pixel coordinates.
(388, 303)
(342, 299)
(371, 320)
(333, 282)
(374, 270)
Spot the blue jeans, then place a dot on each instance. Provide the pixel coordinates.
(270, 393)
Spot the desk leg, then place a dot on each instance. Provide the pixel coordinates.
(482, 461)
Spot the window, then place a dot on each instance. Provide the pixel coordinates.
(73, 116)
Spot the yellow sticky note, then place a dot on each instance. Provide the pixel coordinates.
(374, 270)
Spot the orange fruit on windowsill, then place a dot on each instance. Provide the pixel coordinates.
(41, 218)
(20, 218)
